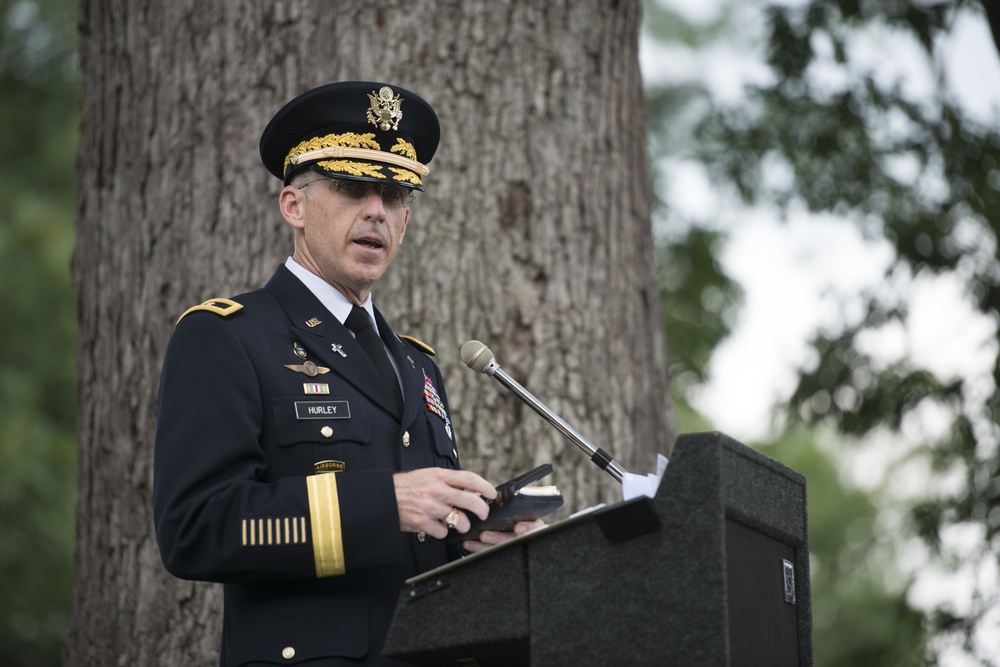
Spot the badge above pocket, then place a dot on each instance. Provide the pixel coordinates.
(300, 419)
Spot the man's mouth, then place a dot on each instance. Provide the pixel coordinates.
(370, 243)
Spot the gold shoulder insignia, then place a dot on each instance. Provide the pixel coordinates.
(222, 307)
(421, 345)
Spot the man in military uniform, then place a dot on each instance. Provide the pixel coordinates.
(305, 455)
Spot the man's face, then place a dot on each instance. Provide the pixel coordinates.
(347, 232)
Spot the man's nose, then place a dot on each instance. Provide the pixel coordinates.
(373, 204)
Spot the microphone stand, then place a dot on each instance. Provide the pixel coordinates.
(597, 455)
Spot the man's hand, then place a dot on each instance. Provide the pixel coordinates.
(489, 538)
(427, 495)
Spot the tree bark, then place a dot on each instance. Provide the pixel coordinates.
(534, 237)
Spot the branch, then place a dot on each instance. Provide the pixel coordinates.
(992, 8)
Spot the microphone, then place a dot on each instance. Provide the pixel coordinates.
(479, 358)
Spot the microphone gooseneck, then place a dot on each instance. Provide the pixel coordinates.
(479, 358)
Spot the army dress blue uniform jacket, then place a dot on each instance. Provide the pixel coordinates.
(312, 562)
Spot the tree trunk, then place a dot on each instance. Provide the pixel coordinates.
(534, 237)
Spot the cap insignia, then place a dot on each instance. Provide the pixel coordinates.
(352, 168)
(404, 148)
(386, 109)
(309, 147)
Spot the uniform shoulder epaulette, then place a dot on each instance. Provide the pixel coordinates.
(421, 345)
(221, 307)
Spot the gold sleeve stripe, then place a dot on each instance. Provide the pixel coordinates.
(324, 514)
(276, 531)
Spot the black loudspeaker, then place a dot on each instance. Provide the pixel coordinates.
(713, 571)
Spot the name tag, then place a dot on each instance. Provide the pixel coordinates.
(322, 410)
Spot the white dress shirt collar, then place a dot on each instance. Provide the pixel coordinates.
(329, 296)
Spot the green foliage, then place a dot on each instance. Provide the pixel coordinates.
(668, 27)
(37, 330)
(860, 616)
(917, 173)
(699, 301)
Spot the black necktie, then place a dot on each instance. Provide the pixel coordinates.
(359, 322)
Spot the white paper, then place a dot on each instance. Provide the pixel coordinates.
(634, 485)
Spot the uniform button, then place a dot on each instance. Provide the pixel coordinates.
(406, 438)
(421, 536)
(288, 653)
(326, 431)
(454, 452)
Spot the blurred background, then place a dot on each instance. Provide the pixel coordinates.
(828, 182)
(39, 86)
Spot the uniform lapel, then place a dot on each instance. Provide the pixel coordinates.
(322, 335)
(410, 371)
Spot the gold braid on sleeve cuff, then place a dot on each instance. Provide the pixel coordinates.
(324, 513)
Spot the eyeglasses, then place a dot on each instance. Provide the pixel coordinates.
(392, 196)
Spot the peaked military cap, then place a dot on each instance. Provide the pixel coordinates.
(359, 130)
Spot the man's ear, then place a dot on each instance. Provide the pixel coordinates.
(291, 202)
